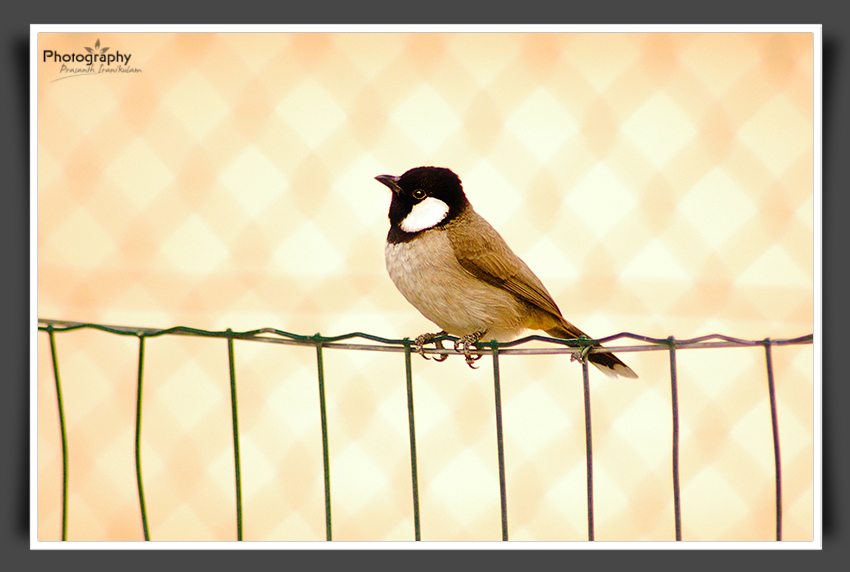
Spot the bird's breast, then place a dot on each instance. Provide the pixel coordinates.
(427, 273)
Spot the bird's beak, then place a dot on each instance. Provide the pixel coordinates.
(390, 181)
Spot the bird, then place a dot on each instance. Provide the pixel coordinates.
(459, 272)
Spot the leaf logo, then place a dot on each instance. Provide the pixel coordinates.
(96, 50)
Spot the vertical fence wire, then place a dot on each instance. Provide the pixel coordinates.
(50, 334)
(325, 457)
(775, 424)
(236, 459)
(588, 447)
(417, 533)
(139, 438)
(500, 443)
(674, 397)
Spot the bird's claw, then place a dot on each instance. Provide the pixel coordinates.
(462, 345)
(420, 341)
(465, 345)
(581, 355)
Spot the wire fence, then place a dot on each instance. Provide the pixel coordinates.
(358, 341)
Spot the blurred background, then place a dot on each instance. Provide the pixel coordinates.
(660, 184)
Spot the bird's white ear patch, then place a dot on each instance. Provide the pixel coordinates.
(424, 215)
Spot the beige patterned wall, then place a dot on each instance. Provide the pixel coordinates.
(657, 183)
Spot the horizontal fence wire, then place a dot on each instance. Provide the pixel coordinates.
(575, 346)
(359, 341)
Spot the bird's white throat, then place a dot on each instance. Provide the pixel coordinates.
(424, 215)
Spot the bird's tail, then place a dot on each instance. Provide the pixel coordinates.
(607, 363)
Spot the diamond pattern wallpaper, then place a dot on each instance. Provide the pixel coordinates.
(658, 183)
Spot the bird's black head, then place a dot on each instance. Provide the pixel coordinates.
(423, 197)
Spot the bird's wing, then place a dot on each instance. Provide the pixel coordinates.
(487, 256)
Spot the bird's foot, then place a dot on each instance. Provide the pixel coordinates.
(420, 341)
(465, 344)
(581, 356)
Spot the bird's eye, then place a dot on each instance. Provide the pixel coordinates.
(418, 194)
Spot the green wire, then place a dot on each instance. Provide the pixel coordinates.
(412, 426)
(588, 437)
(325, 457)
(53, 326)
(674, 397)
(771, 387)
(62, 432)
(139, 438)
(236, 459)
(500, 443)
